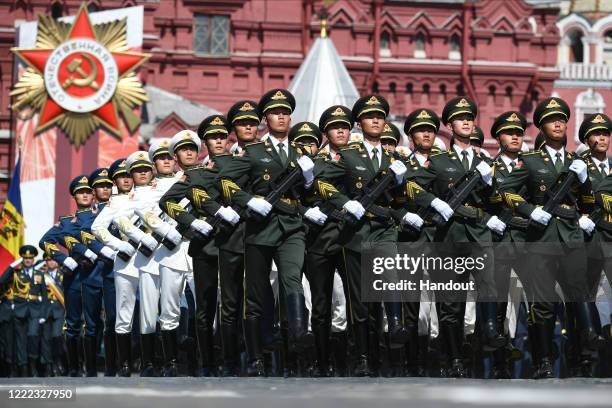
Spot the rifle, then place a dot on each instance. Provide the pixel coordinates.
(457, 196)
(556, 195)
(139, 223)
(287, 183)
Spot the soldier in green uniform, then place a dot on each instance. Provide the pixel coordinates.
(390, 137)
(52, 344)
(7, 329)
(594, 132)
(421, 126)
(558, 252)
(272, 232)
(341, 183)
(185, 147)
(468, 232)
(508, 129)
(477, 139)
(29, 293)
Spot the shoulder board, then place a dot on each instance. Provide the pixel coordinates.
(537, 152)
(254, 143)
(196, 168)
(65, 217)
(439, 154)
(351, 146)
(585, 154)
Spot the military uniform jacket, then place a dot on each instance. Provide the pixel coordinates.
(52, 308)
(254, 175)
(445, 171)
(201, 204)
(28, 290)
(537, 173)
(603, 199)
(326, 239)
(345, 179)
(6, 302)
(60, 234)
(119, 205)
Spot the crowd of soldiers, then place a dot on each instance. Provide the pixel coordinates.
(249, 263)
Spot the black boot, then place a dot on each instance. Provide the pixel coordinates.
(544, 336)
(206, 346)
(362, 364)
(453, 336)
(252, 336)
(72, 346)
(23, 371)
(321, 338)
(398, 335)
(90, 348)
(297, 322)
(147, 347)
(110, 355)
(170, 352)
(124, 350)
(57, 345)
(589, 336)
(339, 348)
(229, 340)
(33, 364)
(492, 339)
(414, 359)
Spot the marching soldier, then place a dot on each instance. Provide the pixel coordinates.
(126, 275)
(95, 264)
(390, 137)
(421, 126)
(508, 129)
(595, 133)
(62, 234)
(324, 249)
(560, 254)
(272, 231)
(468, 232)
(52, 344)
(185, 146)
(29, 293)
(341, 183)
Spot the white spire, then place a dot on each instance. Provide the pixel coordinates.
(321, 81)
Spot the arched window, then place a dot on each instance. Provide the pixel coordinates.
(392, 87)
(375, 87)
(455, 48)
(607, 47)
(419, 46)
(56, 10)
(409, 89)
(576, 49)
(385, 44)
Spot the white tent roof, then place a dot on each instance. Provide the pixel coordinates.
(321, 81)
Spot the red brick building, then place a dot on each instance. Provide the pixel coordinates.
(504, 54)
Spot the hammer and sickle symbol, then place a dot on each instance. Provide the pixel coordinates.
(84, 80)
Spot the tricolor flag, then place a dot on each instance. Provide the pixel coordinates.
(11, 222)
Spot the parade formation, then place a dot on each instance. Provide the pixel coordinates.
(251, 263)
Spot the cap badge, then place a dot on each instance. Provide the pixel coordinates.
(463, 103)
(553, 104)
(83, 180)
(598, 119)
(305, 128)
(513, 118)
(246, 106)
(373, 101)
(338, 112)
(423, 115)
(217, 121)
(103, 173)
(279, 95)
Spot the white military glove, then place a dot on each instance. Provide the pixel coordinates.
(228, 214)
(486, 173)
(173, 236)
(586, 224)
(442, 208)
(315, 215)
(70, 263)
(201, 226)
(16, 262)
(399, 169)
(149, 242)
(540, 216)
(412, 219)
(355, 208)
(496, 225)
(259, 205)
(307, 166)
(126, 248)
(42, 320)
(91, 255)
(580, 168)
(107, 252)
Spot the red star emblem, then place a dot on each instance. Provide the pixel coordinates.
(81, 75)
